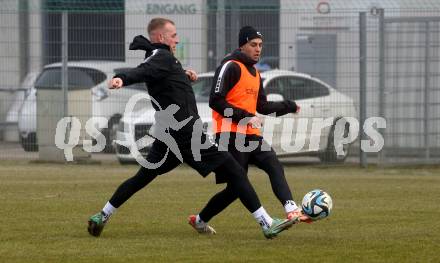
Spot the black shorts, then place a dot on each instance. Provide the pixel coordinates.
(210, 158)
(256, 156)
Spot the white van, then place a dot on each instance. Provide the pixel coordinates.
(92, 75)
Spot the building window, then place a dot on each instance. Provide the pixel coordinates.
(96, 30)
(261, 14)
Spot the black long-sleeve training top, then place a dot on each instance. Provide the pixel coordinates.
(166, 80)
(225, 80)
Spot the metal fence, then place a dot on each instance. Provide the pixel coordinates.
(383, 56)
(411, 91)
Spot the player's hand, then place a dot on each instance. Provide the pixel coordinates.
(256, 122)
(192, 75)
(298, 109)
(115, 83)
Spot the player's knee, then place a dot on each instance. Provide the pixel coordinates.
(233, 164)
(273, 165)
(145, 174)
(230, 192)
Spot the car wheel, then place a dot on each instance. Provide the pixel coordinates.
(126, 162)
(110, 133)
(29, 144)
(330, 155)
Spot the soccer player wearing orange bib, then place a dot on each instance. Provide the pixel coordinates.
(236, 97)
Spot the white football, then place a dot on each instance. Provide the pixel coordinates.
(317, 204)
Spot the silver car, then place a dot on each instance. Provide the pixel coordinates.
(318, 101)
(89, 76)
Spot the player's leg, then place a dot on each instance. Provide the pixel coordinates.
(269, 162)
(215, 205)
(218, 203)
(278, 182)
(227, 196)
(229, 171)
(240, 186)
(224, 198)
(132, 185)
(142, 178)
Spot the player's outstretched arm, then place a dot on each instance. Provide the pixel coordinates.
(115, 83)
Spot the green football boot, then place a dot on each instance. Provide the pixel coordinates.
(278, 225)
(96, 224)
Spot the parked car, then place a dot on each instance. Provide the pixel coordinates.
(10, 131)
(316, 99)
(91, 75)
(267, 63)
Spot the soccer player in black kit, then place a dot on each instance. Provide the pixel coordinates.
(170, 85)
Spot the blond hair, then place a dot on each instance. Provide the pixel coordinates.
(156, 23)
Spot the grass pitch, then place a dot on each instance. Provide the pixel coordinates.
(379, 215)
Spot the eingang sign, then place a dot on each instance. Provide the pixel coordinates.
(171, 9)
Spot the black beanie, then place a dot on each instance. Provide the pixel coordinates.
(247, 33)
